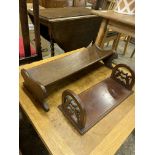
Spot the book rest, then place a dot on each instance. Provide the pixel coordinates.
(90, 106)
(40, 78)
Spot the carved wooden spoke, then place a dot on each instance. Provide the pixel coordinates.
(127, 79)
(73, 107)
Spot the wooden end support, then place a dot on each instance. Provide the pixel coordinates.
(36, 88)
(125, 77)
(73, 108)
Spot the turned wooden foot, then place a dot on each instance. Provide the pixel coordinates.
(108, 61)
(45, 106)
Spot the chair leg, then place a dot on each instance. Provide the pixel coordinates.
(116, 42)
(126, 45)
(52, 47)
(51, 41)
(132, 53)
(104, 40)
(107, 44)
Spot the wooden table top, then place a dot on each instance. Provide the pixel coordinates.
(126, 19)
(53, 13)
(59, 136)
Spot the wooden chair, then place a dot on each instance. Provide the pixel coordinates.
(111, 5)
(110, 35)
(30, 54)
(127, 41)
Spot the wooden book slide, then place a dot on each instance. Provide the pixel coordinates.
(38, 79)
(87, 108)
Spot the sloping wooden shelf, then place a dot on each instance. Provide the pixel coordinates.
(87, 108)
(38, 79)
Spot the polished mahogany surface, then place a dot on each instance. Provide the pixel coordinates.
(55, 70)
(101, 99)
(84, 110)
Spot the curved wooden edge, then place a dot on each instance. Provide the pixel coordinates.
(122, 77)
(74, 108)
(36, 88)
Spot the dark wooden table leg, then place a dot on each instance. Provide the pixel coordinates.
(51, 41)
(132, 53)
(52, 47)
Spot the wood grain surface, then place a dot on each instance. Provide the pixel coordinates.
(54, 71)
(59, 136)
(109, 14)
(117, 22)
(71, 28)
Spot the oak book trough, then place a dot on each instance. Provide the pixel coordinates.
(90, 106)
(38, 79)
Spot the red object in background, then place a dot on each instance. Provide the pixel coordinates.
(21, 49)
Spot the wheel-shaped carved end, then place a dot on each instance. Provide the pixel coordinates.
(124, 75)
(73, 107)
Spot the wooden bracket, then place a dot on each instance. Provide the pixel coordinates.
(74, 108)
(36, 88)
(87, 108)
(126, 79)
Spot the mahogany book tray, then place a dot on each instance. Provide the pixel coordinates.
(87, 108)
(38, 79)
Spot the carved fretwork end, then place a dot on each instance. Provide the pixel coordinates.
(73, 108)
(123, 75)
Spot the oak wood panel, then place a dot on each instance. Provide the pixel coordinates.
(122, 28)
(126, 19)
(55, 131)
